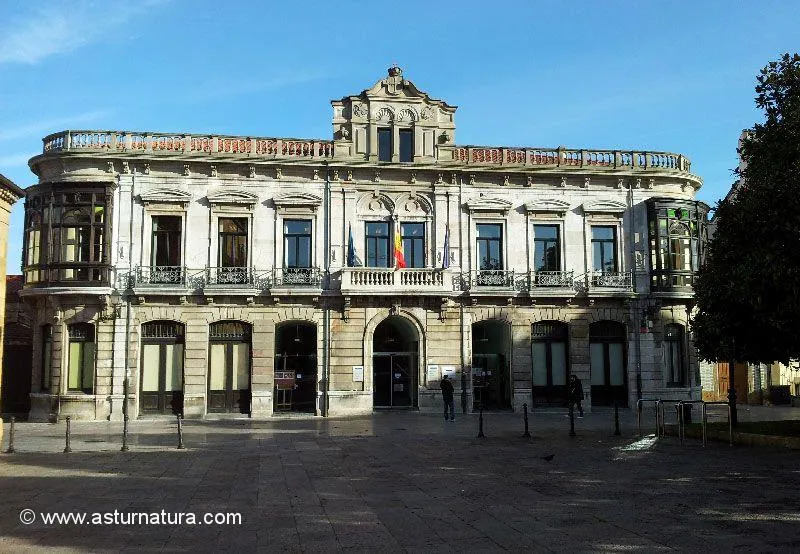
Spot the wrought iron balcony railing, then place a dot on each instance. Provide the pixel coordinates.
(160, 275)
(552, 279)
(494, 278)
(230, 276)
(297, 277)
(615, 279)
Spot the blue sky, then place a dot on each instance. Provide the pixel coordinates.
(674, 76)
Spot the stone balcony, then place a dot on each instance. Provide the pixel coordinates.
(389, 281)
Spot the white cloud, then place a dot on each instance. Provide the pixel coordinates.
(38, 129)
(62, 26)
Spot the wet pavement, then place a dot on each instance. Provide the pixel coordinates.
(398, 482)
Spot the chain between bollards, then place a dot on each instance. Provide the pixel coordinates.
(616, 418)
(571, 420)
(67, 448)
(527, 433)
(180, 433)
(11, 448)
(480, 424)
(125, 447)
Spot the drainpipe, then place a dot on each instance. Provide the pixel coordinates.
(126, 380)
(326, 315)
(636, 308)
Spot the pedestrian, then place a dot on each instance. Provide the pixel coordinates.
(447, 398)
(576, 393)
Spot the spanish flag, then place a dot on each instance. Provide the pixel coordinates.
(399, 259)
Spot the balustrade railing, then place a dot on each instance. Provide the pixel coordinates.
(269, 148)
(388, 279)
(568, 157)
(166, 143)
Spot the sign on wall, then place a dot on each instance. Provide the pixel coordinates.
(433, 373)
(358, 373)
(449, 370)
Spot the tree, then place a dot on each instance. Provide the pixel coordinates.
(748, 291)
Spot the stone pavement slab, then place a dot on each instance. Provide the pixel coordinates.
(398, 482)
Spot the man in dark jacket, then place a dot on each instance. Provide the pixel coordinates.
(576, 393)
(447, 398)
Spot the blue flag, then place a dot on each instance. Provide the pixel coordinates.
(446, 251)
(352, 258)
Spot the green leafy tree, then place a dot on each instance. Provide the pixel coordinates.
(748, 292)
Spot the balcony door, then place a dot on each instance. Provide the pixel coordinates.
(161, 387)
(232, 251)
(165, 254)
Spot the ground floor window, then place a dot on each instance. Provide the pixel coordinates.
(80, 370)
(549, 362)
(607, 363)
(161, 387)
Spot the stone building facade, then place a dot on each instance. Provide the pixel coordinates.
(9, 194)
(215, 275)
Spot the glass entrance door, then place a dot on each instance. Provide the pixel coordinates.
(229, 368)
(161, 387)
(490, 384)
(393, 380)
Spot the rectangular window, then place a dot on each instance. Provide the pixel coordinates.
(80, 370)
(166, 241)
(547, 248)
(297, 243)
(604, 249)
(413, 235)
(490, 246)
(47, 354)
(233, 242)
(384, 144)
(406, 145)
(377, 234)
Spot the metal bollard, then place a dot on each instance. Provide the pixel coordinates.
(527, 433)
(616, 418)
(480, 424)
(180, 434)
(125, 447)
(571, 420)
(11, 448)
(67, 448)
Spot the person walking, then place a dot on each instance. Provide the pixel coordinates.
(447, 398)
(576, 393)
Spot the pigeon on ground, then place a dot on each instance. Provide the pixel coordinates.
(548, 458)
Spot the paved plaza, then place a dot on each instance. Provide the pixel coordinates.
(400, 482)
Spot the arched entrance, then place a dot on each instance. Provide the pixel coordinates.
(491, 348)
(550, 363)
(161, 386)
(395, 352)
(607, 357)
(296, 367)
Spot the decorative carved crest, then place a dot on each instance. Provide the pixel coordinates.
(165, 196)
(604, 207)
(232, 197)
(484, 204)
(548, 205)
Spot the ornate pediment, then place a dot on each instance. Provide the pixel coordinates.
(165, 196)
(299, 200)
(548, 205)
(604, 207)
(485, 204)
(232, 197)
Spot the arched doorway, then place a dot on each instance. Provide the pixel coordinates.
(296, 367)
(491, 347)
(607, 359)
(229, 369)
(161, 386)
(550, 363)
(395, 354)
